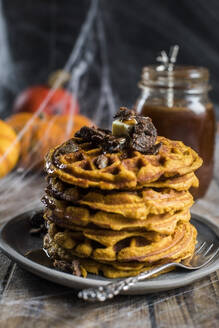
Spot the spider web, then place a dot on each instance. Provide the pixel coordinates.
(22, 189)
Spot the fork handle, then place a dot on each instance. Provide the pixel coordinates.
(110, 290)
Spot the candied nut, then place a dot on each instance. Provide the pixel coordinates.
(62, 265)
(101, 161)
(73, 267)
(68, 147)
(76, 268)
(138, 132)
(125, 114)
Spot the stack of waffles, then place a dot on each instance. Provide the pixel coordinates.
(118, 213)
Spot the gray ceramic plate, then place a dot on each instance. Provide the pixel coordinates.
(15, 241)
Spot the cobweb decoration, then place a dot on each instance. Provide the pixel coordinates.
(5, 61)
(22, 189)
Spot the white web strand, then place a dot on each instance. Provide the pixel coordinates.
(6, 64)
(21, 192)
(106, 95)
(87, 26)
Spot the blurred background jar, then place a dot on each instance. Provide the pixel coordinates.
(178, 103)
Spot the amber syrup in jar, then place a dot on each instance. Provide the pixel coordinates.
(178, 103)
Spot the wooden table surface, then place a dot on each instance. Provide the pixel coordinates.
(28, 301)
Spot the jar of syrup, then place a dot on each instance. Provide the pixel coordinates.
(178, 103)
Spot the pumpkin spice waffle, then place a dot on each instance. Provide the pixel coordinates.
(78, 163)
(179, 183)
(164, 224)
(117, 270)
(82, 215)
(70, 193)
(109, 246)
(118, 202)
(133, 205)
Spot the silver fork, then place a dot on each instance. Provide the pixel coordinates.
(204, 253)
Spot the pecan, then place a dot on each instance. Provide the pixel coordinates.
(76, 268)
(68, 147)
(94, 135)
(73, 267)
(101, 161)
(142, 136)
(99, 137)
(125, 114)
(62, 266)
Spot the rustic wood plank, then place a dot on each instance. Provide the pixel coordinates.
(49, 305)
(29, 301)
(5, 269)
(192, 306)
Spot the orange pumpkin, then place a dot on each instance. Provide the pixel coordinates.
(17, 122)
(31, 99)
(61, 102)
(43, 133)
(9, 148)
(70, 124)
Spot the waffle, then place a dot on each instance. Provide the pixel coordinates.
(76, 162)
(118, 203)
(116, 270)
(179, 183)
(115, 248)
(69, 193)
(133, 205)
(64, 209)
(109, 270)
(164, 224)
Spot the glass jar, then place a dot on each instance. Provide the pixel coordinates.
(178, 103)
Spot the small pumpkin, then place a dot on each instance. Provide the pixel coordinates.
(18, 122)
(70, 124)
(9, 148)
(43, 133)
(61, 102)
(48, 134)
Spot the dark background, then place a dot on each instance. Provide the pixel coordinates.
(36, 37)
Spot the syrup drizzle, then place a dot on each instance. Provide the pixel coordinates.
(40, 256)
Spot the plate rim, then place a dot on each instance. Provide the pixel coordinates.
(67, 279)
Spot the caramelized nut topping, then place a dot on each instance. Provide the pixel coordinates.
(137, 134)
(101, 162)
